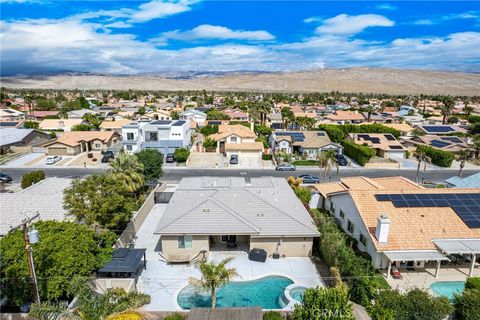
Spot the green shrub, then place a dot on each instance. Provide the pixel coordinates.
(467, 304)
(266, 156)
(333, 131)
(304, 194)
(359, 153)
(31, 178)
(81, 127)
(338, 132)
(474, 119)
(174, 316)
(181, 154)
(439, 157)
(324, 303)
(209, 143)
(31, 124)
(472, 283)
(209, 129)
(273, 315)
(263, 130)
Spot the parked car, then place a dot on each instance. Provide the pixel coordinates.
(107, 156)
(5, 178)
(234, 159)
(169, 158)
(306, 178)
(52, 159)
(341, 159)
(286, 167)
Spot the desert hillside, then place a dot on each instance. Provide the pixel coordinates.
(389, 81)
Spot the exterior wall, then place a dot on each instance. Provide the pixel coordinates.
(290, 247)
(59, 149)
(170, 245)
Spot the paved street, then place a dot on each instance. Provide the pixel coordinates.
(176, 174)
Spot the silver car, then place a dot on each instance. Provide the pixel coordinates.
(286, 167)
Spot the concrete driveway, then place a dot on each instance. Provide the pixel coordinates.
(205, 160)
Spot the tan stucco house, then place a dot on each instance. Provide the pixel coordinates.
(75, 142)
(237, 139)
(216, 215)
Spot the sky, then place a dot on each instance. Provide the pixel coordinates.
(130, 37)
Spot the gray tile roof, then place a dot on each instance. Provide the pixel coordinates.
(45, 197)
(263, 206)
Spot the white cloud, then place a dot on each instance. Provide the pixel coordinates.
(438, 19)
(344, 24)
(207, 31)
(313, 20)
(119, 25)
(385, 6)
(159, 9)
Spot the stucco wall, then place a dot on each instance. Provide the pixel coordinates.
(170, 245)
(290, 247)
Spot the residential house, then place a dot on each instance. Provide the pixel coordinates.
(308, 144)
(60, 124)
(156, 115)
(414, 120)
(21, 140)
(236, 115)
(275, 121)
(114, 125)
(75, 142)
(345, 117)
(406, 110)
(385, 145)
(446, 143)
(40, 115)
(79, 114)
(11, 124)
(164, 135)
(198, 117)
(441, 129)
(44, 197)
(383, 117)
(400, 223)
(216, 214)
(470, 182)
(11, 115)
(405, 129)
(237, 139)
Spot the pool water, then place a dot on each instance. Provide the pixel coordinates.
(263, 292)
(447, 288)
(297, 293)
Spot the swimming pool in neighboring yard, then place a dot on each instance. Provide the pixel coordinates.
(263, 292)
(447, 288)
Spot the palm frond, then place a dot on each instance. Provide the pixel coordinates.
(49, 311)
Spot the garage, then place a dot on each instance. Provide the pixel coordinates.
(57, 151)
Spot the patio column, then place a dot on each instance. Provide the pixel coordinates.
(472, 264)
(389, 268)
(437, 272)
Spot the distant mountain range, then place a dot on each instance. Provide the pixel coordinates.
(367, 80)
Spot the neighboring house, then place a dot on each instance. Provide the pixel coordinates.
(60, 124)
(441, 129)
(10, 115)
(79, 114)
(275, 121)
(445, 143)
(415, 120)
(21, 140)
(400, 223)
(305, 143)
(109, 125)
(164, 135)
(345, 117)
(198, 117)
(217, 213)
(237, 139)
(382, 118)
(11, 124)
(44, 197)
(156, 115)
(40, 115)
(405, 110)
(75, 142)
(405, 129)
(385, 145)
(236, 115)
(469, 182)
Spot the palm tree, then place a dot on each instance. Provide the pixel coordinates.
(421, 156)
(370, 110)
(463, 156)
(127, 168)
(113, 304)
(327, 161)
(476, 146)
(213, 277)
(447, 108)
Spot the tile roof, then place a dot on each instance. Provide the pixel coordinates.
(225, 130)
(380, 139)
(117, 124)
(244, 146)
(59, 123)
(345, 115)
(403, 127)
(216, 205)
(74, 138)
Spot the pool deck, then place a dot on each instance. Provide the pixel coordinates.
(163, 282)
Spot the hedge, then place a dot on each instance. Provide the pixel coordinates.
(473, 283)
(338, 132)
(359, 153)
(439, 157)
(31, 178)
(266, 156)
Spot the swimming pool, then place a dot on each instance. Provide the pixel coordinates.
(263, 292)
(447, 288)
(297, 293)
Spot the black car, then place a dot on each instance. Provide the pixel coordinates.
(107, 156)
(234, 159)
(5, 178)
(306, 178)
(169, 158)
(341, 160)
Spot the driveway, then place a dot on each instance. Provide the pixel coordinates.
(205, 160)
(24, 160)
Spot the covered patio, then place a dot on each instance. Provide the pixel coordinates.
(124, 264)
(468, 247)
(414, 257)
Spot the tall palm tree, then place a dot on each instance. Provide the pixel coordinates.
(327, 161)
(370, 110)
(476, 146)
(447, 108)
(463, 156)
(421, 156)
(213, 277)
(127, 168)
(113, 304)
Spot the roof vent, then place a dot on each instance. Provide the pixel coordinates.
(383, 226)
(206, 210)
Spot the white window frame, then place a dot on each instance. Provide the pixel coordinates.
(184, 242)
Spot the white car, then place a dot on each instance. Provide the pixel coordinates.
(52, 159)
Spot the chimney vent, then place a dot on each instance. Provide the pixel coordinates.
(383, 226)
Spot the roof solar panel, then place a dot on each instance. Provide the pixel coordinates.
(452, 139)
(321, 134)
(389, 137)
(439, 144)
(438, 128)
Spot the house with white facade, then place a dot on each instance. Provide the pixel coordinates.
(237, 139)
(164, 135)
(306, 143)
(197, 116)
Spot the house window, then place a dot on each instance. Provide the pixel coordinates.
(184, 242)
(130, 136)
(350, 227)
(332, 207)
(129, 147)
(153, 136)
(363, 240)
(233, 139)
(342, 214)
(98, 145)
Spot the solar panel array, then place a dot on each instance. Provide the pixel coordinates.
(321, 134)
(452, 139)
(389, 137)
(438, 129)
(374, 140)
(465, 205)
(178, 123)
(161, 122)
(214, 122)
(439, 143)
(296, 136)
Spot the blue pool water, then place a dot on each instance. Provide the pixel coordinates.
(447, 288)
(297, 293)
(263, 292)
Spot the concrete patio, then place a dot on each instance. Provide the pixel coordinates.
(164, 281)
